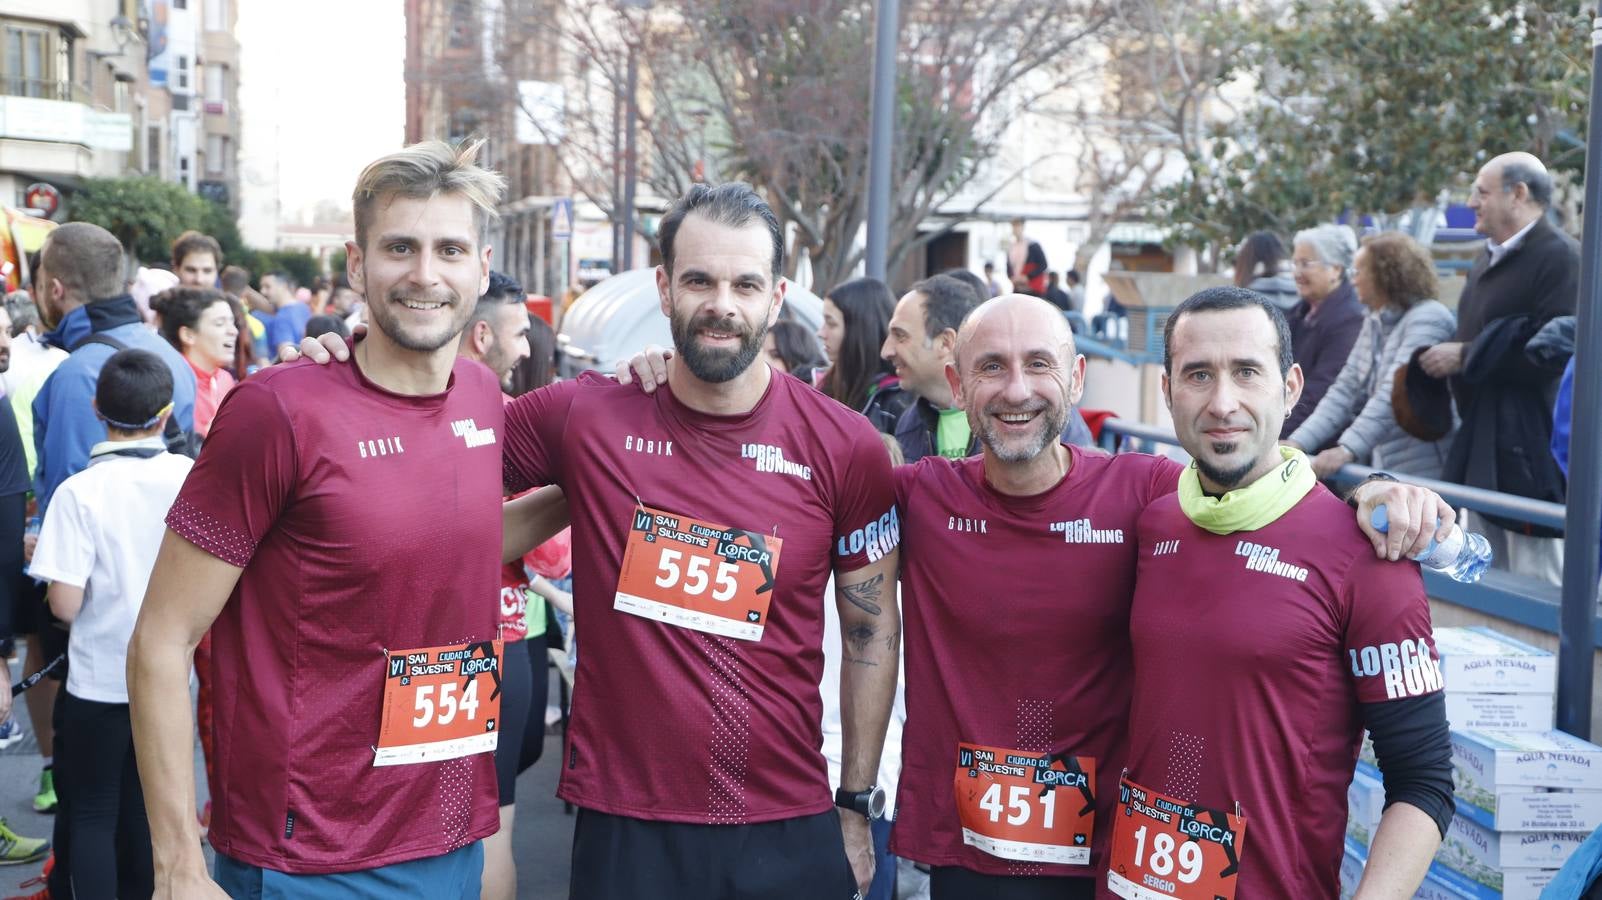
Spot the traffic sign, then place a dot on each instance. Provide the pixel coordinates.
(562, 220)
(43, 197)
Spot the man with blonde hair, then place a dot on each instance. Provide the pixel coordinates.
(358, 701)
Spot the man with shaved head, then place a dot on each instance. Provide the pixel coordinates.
(1018, 686)
(1528, 275)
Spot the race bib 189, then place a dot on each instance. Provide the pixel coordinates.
(697, 575)
(1026, 806)
(440, 703)
(1164, 848)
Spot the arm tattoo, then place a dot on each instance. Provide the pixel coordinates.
(860, 637)
(865, 595)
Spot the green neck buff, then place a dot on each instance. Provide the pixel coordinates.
(1253, 506)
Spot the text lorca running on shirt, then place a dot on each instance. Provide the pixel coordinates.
(877, 538)
(771, 459)
(1266, 559)
(1408, 667)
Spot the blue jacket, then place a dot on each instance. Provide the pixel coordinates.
(65, 426)
(288, 326)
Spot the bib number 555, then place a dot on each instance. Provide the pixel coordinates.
(696, 576)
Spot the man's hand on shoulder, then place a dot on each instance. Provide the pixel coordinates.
(321, 350)
(648, 368)
(1409, 510)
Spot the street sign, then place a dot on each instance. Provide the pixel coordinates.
(43, 197)
(562, 220)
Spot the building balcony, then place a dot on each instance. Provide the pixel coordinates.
(43, 89)
(30, 118)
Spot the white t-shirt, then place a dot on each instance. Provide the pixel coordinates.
(101, 533)
(833, 740)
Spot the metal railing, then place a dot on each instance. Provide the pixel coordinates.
(1516, 598)
(43, 89)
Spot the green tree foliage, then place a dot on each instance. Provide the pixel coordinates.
(144, 213)
(1353, 111)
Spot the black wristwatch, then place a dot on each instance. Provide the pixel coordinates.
(1351, 498)
(869, 803)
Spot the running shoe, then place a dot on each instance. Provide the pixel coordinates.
(10, 732)
(16, 849)
(45, 800)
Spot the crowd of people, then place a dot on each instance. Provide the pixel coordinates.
(757, 544)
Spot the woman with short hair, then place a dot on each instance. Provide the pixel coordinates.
(1325, 323)
(1395, 279)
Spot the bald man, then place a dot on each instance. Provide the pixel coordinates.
(1528, 275)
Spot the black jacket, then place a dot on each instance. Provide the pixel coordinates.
(887, 403)
(1504, 444)
(1504, 396)
(1321, 345)
(916, 431)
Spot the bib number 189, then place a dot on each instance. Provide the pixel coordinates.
(1163, 857)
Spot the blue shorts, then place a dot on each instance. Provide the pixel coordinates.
(454, 876)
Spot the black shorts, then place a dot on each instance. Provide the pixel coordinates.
(516, 688)
(956, 883)
(621, 858)
(28, 606)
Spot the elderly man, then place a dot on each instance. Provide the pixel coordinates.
(1528, 276)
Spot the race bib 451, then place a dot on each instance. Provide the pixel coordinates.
(440, 703)
(694, 574)
(1026, 806)
(1165, 848)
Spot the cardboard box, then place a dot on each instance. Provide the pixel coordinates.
(1365, 803)
(1468, 711)
(1487, 856)
(1441, 883)
(1534, 809)
(1481, 659)
(1485, 761)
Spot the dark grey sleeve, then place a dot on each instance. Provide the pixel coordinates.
(1413, 746)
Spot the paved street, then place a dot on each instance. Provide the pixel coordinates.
(542, 837)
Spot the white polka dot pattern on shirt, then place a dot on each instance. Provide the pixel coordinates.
(456, 800)
(1186, 753)
(200, 528)
(1034, 723)
(731, 733)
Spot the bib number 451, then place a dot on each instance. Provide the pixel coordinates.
(695, 576)
(449, 704)
(1018, 804)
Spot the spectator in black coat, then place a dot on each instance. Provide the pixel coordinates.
(1528, 275)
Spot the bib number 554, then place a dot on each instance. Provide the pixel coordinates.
(448, 706)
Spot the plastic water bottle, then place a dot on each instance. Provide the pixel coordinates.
(1464, 555)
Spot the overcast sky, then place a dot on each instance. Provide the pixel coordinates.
(322, 94)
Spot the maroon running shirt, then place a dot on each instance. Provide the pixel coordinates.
(365, 521)
(1015, 612)
(1252, 653)
(680, 725)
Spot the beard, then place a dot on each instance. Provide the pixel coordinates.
(420, 340)
(1226, 478)
(716, 366)
(1050, 422)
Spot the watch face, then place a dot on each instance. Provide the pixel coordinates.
(876, 801)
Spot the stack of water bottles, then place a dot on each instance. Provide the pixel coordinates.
(1527, 795)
